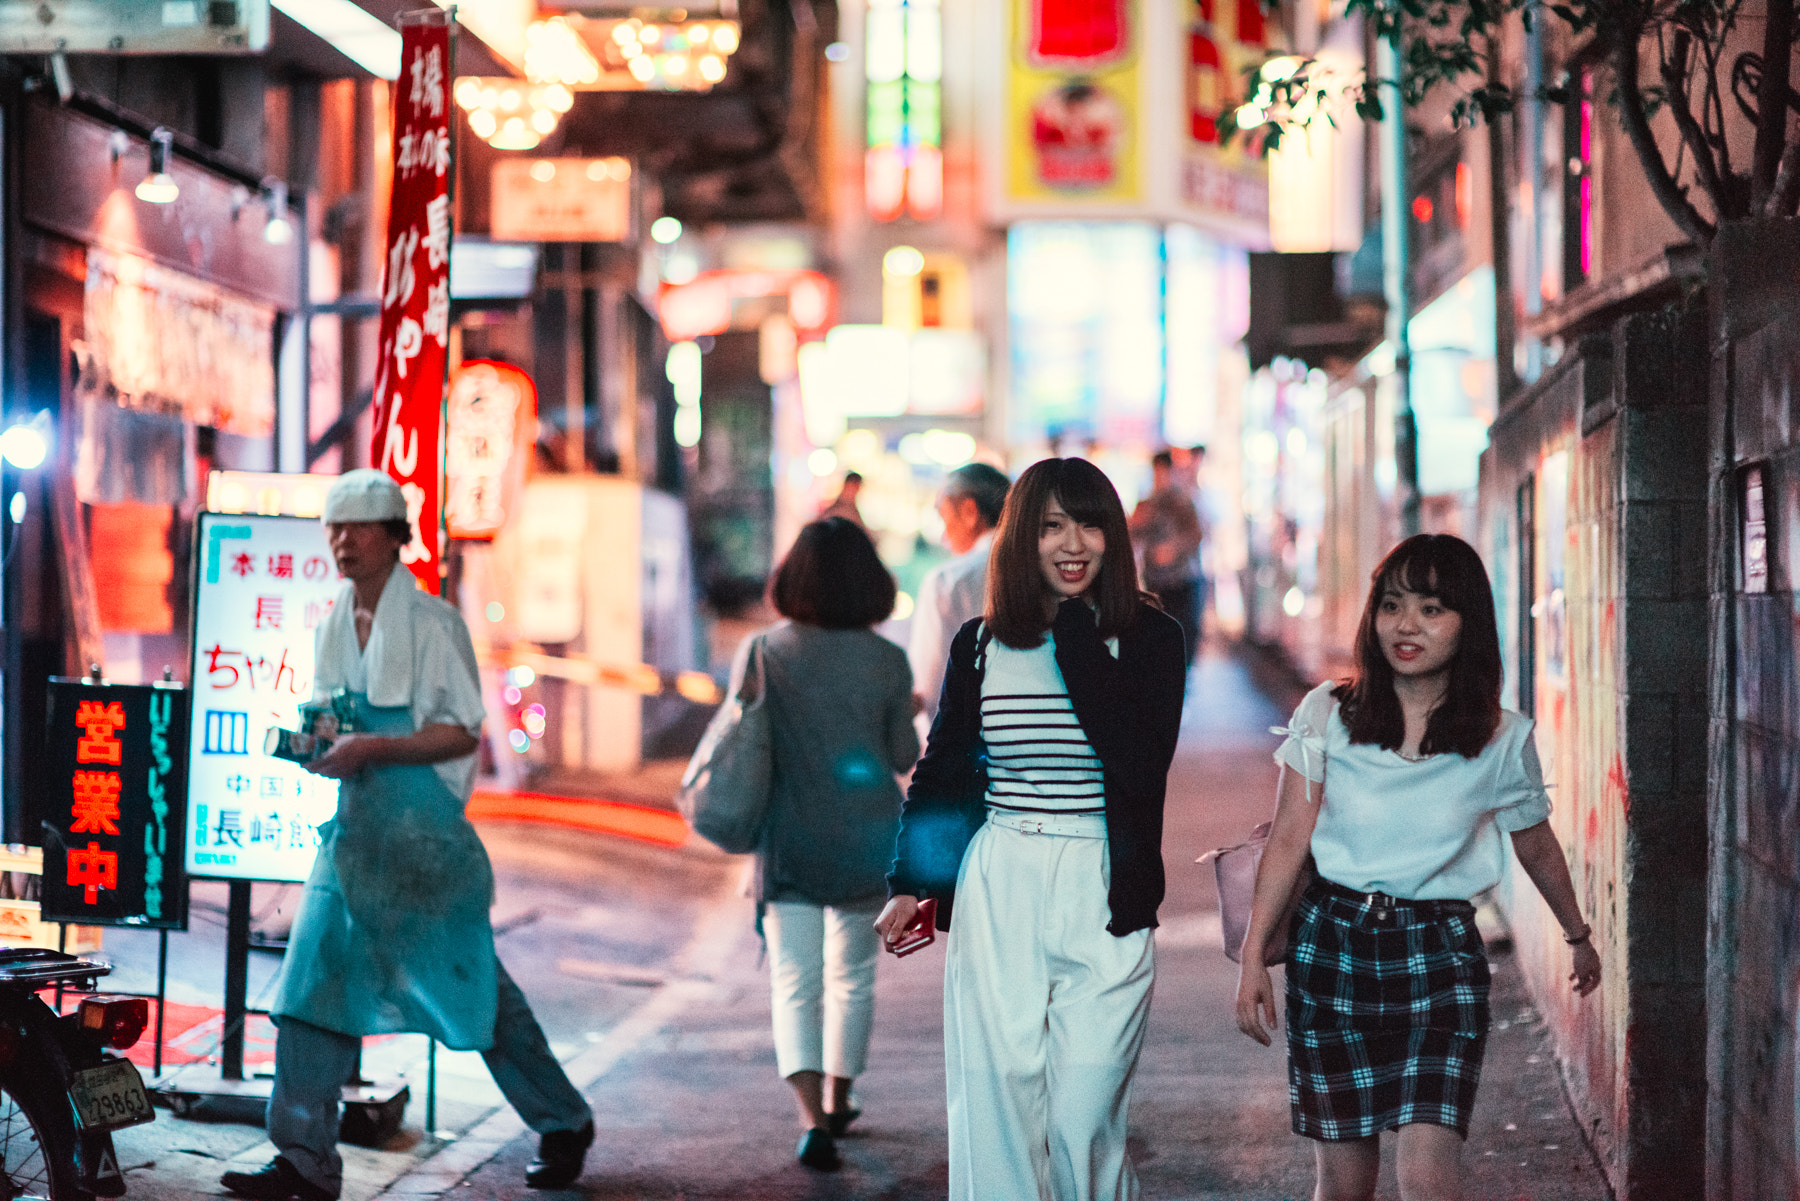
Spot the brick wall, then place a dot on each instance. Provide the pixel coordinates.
(1754, 900)
(1594, 523)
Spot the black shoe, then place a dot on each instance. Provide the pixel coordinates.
(559, 1158)
(817, 1151)
(278, 1180)
(838, 1121)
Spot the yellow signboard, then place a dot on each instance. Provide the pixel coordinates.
(1073, 102)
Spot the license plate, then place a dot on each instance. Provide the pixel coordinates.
(111, 1096)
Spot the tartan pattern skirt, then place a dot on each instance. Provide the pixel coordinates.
(1387, 1013)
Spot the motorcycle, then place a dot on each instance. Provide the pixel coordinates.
(61, 1093)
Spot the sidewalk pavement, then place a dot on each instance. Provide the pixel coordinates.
(689, 1107)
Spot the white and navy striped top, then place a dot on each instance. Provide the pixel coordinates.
(1039, 758)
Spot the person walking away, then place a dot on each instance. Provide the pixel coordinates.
(1037, 813)
(392, 933)
(845, 504)
(1400, 783)
(955, 591)
(1167, 528)
(840, 705)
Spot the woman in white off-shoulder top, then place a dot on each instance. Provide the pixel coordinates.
(1400, 784)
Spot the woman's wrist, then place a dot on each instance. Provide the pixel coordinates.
(1576, 938)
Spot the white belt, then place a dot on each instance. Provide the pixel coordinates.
(1068, 825)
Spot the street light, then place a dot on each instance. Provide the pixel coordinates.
(159, 187)
(26, 444)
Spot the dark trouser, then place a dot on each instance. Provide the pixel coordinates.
(1183, 603)
(312, 1064)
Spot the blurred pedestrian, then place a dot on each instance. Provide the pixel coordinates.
(841, 706)
(392, 934)
(1037, 809)
(1167, 528)
(953, 592)
(845, 504)
(1399, 783)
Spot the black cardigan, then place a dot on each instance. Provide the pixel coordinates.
(1130, 709)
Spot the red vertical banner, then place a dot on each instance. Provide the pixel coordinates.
(415, 294)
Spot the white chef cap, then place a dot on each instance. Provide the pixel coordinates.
(364, 495)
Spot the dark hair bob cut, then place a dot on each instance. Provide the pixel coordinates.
(1021, 606)
(1447, 568)
(833, 578)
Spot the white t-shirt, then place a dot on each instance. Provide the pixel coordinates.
(1039, 757)
(950, 595)
(1426, 830)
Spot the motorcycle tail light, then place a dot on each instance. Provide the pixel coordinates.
(118, 1021)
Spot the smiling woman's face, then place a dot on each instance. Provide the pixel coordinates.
(1069, 553)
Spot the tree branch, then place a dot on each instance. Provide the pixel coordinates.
(1668, 192)
(1772, 101)
(1678, 97)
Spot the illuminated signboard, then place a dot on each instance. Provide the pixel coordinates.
(262, 586)
(113, 844)
(903, 61)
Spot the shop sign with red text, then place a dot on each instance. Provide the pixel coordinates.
(415, 293)
(113, 845)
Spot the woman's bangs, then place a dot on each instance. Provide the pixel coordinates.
(1082, 495)
(1424, 573)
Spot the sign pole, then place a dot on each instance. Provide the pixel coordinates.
(162, 994)
(237, 971)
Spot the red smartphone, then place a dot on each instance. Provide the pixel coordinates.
(920, 932)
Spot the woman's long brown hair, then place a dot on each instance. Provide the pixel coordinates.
(1017, 611)
(1447, 568)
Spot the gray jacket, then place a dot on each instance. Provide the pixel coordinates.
(840, 708)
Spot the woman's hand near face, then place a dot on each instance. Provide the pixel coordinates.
(895, 917)
(1255, 1001)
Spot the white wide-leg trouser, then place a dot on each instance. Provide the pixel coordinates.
(1044, 1016)
(821, 985)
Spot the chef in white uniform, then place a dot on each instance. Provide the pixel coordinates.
(392, 934)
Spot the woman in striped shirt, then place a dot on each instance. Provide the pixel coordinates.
(1038, 809)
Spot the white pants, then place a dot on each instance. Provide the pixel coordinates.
(1044, 1015)
(821, 985)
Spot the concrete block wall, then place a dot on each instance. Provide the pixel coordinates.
(1753, 904)
(1613, 446)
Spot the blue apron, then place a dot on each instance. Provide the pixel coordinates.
(392, 934)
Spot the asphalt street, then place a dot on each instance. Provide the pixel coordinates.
(644, 966)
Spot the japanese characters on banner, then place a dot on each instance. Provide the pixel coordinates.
(113, 844)
(263, 585)
(1224, 39)
(492, 425)
(415, 292)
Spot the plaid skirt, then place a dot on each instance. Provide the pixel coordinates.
(1387, 1013)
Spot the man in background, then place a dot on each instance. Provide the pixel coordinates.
(1166, 527)
(955, 591)
(845, 504)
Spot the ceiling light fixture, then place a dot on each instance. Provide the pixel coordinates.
(278, 232)
(159, 187)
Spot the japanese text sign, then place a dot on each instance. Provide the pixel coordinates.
(262, 586)
(113, 843)
(415, 293)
